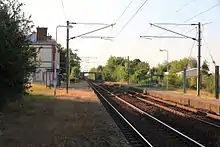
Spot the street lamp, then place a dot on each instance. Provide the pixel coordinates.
(163, 50)
(61, 26)
(55, 59)
(144, 37)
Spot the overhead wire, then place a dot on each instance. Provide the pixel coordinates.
(209, 9)
(214, 6)
(126, 8)
(123, 27)
(190, 30)
(64, 12)
(185, 5)
(206, 46)
(191, 49)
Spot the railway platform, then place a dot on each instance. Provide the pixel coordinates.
(75, 119)
(207, 105)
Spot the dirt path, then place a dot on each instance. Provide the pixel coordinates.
(77, 119)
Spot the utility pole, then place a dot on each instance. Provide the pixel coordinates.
(67, 44)
(151, 78)
(184, 36)
(67, 56)
(128, 70)
(167, 70)
(55, 70)
(199, 61)
(217, 82)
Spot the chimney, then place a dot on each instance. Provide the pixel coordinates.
(41, 34)
(49, 37)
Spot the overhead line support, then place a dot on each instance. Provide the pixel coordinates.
(185, 36)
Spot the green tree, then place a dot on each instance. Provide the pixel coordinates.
(100, 68)
(17, 58)
(121, 73)
(174, 80)
(92, 76)
(107, 74)
(75, 74)
(133, 65)
(116, 69)
(208, 83)
(178, 65)
(192, 82)
(205, 68)
(141, 73)
(175, 67)
(74, 61)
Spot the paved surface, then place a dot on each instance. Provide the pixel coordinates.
(74, 120)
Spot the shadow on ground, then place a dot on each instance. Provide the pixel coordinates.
(79, 86)
(45, 121)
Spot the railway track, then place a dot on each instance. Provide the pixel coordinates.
(149, 130)
(205, 132)
(134, 137)
(184, 107)
(176, 108)
(173, 107)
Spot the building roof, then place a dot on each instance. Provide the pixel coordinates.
(33, 39)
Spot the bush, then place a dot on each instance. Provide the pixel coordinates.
(17, 58)
(192, 82)
(208, 83)
(75, 74)
(174, 80)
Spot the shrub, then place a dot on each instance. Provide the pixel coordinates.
(17, 58)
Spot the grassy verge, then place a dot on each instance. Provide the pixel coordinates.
(38, 89)
(73, 120)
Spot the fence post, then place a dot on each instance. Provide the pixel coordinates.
(151, 78)
(184, 80)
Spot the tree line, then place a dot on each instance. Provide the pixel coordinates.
(118, 69)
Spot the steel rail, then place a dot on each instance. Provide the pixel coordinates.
(154, 118)
(206, 122)
(173, 104)
(134, 129)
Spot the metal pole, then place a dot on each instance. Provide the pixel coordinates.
(67, 57)
(128, 70)
(199, 61)
(56, 32)
(184, 80)
(55, 70)
(55, 66)
(151, 78)
(167, 70)
(217, 82)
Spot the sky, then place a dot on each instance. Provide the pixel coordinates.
(51, 13)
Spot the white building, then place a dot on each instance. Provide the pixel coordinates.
(189, 72)
(47, 47)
